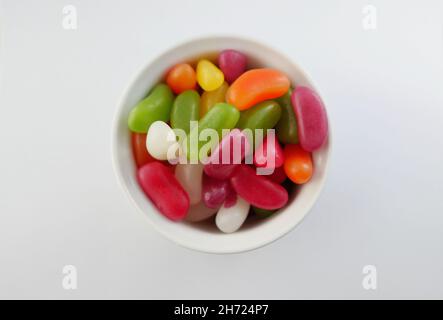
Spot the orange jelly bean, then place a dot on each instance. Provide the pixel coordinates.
(141, 155)
(298, 164)
(181, 77)
(255, 86)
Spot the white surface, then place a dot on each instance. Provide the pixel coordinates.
(60, 203)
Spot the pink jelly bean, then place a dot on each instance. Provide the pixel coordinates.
(258, 190)
(227, 155)
(278, 176)
(160, 185)
(215, 191)
(311, 118)
(269, 154)
(232, 63)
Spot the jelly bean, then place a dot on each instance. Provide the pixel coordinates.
(311, 118)
(258, 190)
(231, 198)
(210, 98)
(215, 191)
(157, 106)
(185, 109)
(278, 176)
(262, 213)
(220, 171)
(160, 185)
(200, 212)
(141, 155)
(257, 85)
(232, 63)
(169, 166)
(298, 164)
(227, 155)
(161, 141)
(230, 219)
(190, 177)
(209, 77)
(221, 116)
(269, 154)
(287, 125)
(181, 77)
(264, 115)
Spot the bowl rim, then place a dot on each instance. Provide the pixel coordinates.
(136, 77)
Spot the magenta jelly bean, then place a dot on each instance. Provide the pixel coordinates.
(258, 190)
(232, 63)
(311, 118)
(269, 154)
(215, 191)
(227, 155)
(160, 185)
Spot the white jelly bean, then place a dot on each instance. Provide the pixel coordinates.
(190, 177)
(231, 219)
(161, 141)
(199, 212)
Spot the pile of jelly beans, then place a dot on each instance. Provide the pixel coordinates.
(225, 95)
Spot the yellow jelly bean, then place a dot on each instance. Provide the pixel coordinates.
(210, 98)
(209, 77)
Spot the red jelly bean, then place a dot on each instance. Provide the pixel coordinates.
(258, 190)
(141, 155)
(278, 176)
(215, 191)
(269, 154)
(220, 171)
(160, 185)
(228, 155)
(231, 199)
(311, 118)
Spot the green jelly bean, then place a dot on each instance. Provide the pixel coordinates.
(156, 106)
(220, 116)
(264, 115)
(287, 125)
(186, 108)
(263, 213)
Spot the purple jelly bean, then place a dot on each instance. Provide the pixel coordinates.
(215, 191)
(311, 118)
(232, 63)
(228, 155)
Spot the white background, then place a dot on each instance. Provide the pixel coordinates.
(60, 203)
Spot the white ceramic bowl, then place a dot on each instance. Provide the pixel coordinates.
(204, 236)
